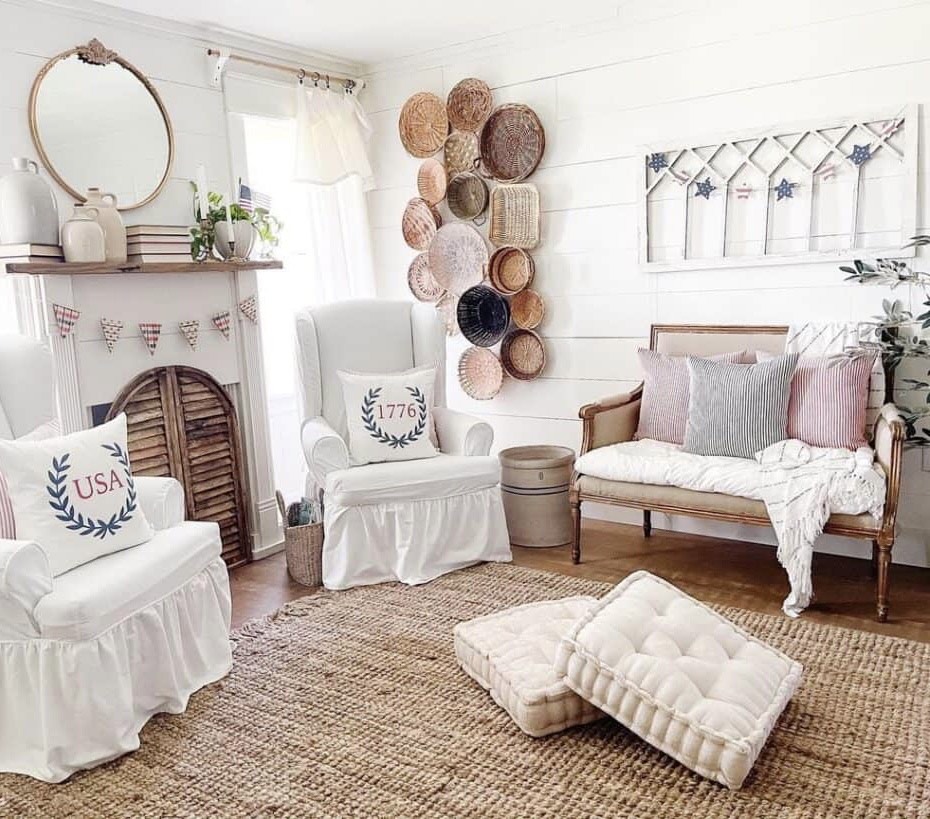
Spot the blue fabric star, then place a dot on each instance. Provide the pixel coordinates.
(705, 188)
(785, 190)
(860, 154)
(657, 162)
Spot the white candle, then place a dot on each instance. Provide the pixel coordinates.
(202, 198)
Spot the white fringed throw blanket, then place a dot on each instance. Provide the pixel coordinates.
(800, 485)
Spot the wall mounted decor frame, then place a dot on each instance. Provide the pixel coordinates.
(802, 192)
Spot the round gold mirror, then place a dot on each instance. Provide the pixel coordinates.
(96, 121)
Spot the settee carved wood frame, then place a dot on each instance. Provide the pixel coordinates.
(888, 438)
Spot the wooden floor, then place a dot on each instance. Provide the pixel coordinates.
(721, 571)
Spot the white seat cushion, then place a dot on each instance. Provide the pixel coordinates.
(441, 477)
(679, 675)
(511, 654)
(95, 596)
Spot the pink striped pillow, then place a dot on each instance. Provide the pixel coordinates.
(663, 413)
(829, 398)
(49, 429)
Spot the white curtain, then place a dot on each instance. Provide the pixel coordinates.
(325, 245)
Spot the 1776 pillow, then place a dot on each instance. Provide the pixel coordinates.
(389, 415)
(74, 495)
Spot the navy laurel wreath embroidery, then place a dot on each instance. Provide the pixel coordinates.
(382, 437)
(75, 521)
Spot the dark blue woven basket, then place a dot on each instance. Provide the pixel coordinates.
(483, 315)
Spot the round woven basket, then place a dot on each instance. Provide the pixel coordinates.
(420, 223)
(512, 142)
(461, 151)
(523, 355)
(458, 257)
(421, 282)
(469, 104)
(480, 373)
(303, 547)
(511, 270)
(527, 309)
(446, 308)
(483, 315)
(467, 196)
(431, 181)
(423, 124)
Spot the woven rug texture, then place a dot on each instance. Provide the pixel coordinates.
(352, 704)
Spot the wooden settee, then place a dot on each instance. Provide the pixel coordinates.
(614, 420)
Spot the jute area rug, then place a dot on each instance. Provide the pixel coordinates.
(351, 704)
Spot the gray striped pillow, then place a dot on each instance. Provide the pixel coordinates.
(738, 409)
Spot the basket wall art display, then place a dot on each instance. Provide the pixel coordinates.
(458, 257)
(420, 223)
(523, 355)
(480, 373)
(483, 315)
(467, 196)
(431, 181)
(423, 124)
(514, 216)
(527, 309)
(461, 152)
(446, 308)
(468, 104)
(512, 142)
(511, 269)
(421, 282)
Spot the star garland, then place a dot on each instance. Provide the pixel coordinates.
(705, 188)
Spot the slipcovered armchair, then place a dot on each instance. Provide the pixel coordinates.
(87, 657)
(405, 520)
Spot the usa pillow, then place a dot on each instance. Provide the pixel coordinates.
(74, 495)
(663, 412)
(389, 415)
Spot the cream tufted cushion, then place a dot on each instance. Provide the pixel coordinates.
(511, 653)
(679, 675)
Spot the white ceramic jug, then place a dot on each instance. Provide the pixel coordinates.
(28, 210)
(82, 238)
(114, 232)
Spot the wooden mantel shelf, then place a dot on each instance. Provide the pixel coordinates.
(96, 269)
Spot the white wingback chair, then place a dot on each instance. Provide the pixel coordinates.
(87, 657)
(405, 520)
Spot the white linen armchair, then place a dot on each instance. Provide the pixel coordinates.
(407, 520)
(86, 658)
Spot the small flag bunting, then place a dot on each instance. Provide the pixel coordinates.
(65, 318)
(190, 329)
(222, 321)
(112, 329)
(249, 308)
(151, 332)
(743, 191)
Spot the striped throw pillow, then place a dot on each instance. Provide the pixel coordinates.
(737, 410)
(663, 411)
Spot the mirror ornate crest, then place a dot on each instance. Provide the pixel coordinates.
(97, 121)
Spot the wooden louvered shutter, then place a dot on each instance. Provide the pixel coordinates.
(182, 424)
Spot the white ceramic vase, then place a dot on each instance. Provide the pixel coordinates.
(28, 210)
(244, 235)
(82, 238)
(114, 232)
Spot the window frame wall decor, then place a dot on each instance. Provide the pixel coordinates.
(798, 158)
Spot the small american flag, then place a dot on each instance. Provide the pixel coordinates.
(250, 199)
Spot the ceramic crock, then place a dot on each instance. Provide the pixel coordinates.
(114, 232)
(28, 210)
(82, 238)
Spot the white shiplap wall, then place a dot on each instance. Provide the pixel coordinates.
(603, 87)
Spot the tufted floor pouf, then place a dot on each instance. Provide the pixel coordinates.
(679, 675)
(511, 654)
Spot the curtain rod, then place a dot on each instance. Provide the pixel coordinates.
(317, 77)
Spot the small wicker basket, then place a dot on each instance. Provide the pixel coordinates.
(303, 547)
(515, 216)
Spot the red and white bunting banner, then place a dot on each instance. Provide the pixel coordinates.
(222, 321)
(249, 308)
(743, 192)
(151, 332)
(190, 329)
(827, 171)
(112, 329)
(680, 177)
(65, 318)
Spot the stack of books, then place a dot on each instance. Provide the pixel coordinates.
(18, 254)
(158, 243)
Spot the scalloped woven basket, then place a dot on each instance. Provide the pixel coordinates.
(481, 373)
(514, 216)
(512, 142)
(421, 282)
(483, 315)
(467, 196)
(423, 124)
(458, 257)
(431, 181)
(469, 104)
(460, 152)
(420, 223)
(446, 307)
(511, 270)
(523, 355)
(527, 309)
